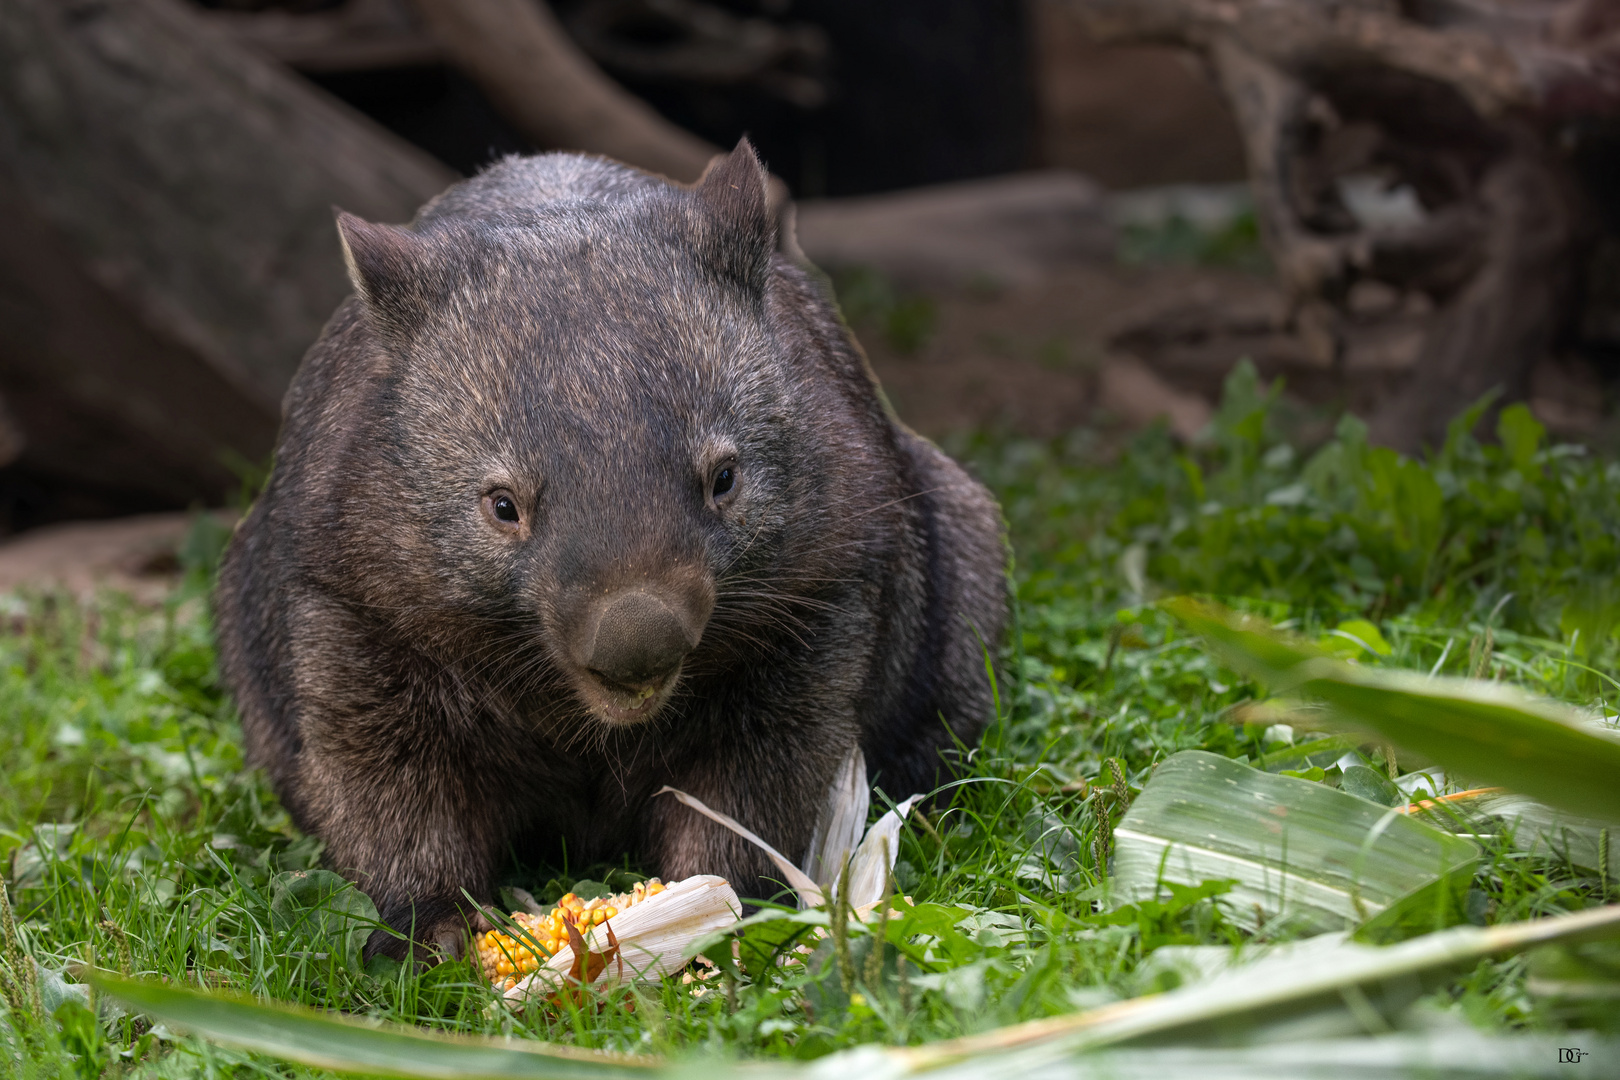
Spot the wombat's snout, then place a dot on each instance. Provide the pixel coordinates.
(630, 643)
(640, 639)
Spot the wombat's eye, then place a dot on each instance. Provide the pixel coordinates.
(502, 507)
(724, 480)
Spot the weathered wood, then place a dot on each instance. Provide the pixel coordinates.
(194, 179)
(1311, 34)
(170, 251)
(357, 35)
(1508, 314)
(110, 416)
(698, 43)
(1459, 103)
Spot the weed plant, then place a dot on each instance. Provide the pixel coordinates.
(132, 839)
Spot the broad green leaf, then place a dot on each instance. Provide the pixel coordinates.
(1360, 636)
(326, 1041)
(1319, 858)
(1316, 753)
(1364, 783)
(1521, 434)
(759, 938)
(1491, 733)
(319, 910)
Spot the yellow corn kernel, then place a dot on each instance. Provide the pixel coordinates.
(506, 959)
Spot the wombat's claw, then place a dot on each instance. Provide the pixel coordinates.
(450, 943)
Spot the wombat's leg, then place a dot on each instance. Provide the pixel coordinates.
(398, 775)
(964, 619)
(413, 837)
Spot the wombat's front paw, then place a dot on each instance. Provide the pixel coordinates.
(428, 941)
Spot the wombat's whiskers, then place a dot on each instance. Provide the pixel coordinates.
(897, 502)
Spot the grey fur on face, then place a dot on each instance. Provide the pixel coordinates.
(586, 492)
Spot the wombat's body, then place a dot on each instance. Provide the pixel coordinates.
(587, 492)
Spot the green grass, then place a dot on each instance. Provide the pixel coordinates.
(131, 838)
(1235, 243)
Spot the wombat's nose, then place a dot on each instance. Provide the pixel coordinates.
(639, 640)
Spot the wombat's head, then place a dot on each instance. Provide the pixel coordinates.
(587, 432)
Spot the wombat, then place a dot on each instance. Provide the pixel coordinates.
(587, 490)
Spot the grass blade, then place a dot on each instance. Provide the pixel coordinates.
(325, 1041)
(1490, 733)
(1317, 857)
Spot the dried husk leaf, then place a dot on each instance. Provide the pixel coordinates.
(873, 862)
(801, 883)
(839, 825)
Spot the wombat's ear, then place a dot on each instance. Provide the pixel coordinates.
(734, 188)
(386, 267)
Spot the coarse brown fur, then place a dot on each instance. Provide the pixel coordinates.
(501, 586)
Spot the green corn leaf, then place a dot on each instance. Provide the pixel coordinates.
(1274, 998)
(1490, 733)
(326, 1041)
(1454, 1053)
(1541, 830)
(1318, 753)
(1537, 829)
(1301, 851)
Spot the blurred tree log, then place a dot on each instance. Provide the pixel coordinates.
(1420, 144)
(171, 253)
(515, 50)
(541, 81)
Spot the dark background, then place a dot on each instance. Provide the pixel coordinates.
(109, 406)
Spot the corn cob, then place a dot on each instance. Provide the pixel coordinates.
(505, 958)
(649, 941)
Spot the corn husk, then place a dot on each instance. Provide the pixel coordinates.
(508, 954)
(839, 825)
(646, 941)
(873, 862)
